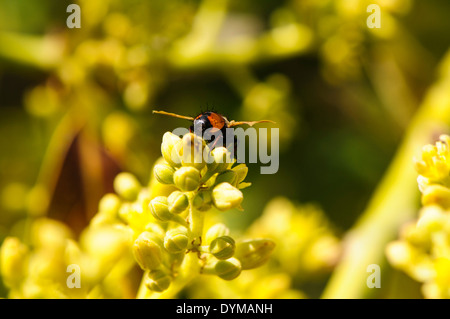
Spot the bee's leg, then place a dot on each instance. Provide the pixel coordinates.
(232, 147)
(214, 142)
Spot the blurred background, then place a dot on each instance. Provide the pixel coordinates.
(76, 104)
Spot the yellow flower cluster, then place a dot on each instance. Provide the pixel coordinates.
(423, 250)
(307, 249)
(160, 228)
(50, 263)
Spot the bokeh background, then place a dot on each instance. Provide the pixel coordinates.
(76, 109)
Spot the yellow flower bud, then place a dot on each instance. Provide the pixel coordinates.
(178, 202)
(225, 197)
(253, 253)
(187, 178)
(192, 151)
(399, 253)
(170, 147)
(158, 281)
(176, 240)
(227, 176)
(147, 252)
(159, 208)
(215, 231)
(203, 200)
(164, 173)
(13, 260)
(109, 204)
(127, 186)
(431, 219)
(436, 194)
(219, 160)
(222, 247)
(49, 233)
(228, 269)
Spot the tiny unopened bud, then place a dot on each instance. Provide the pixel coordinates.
(164, 173)
(178, 202)
(158, 280)
(432, 219)
(176, 240)
(192, 151)
(215, 231)
(226, 196)
(253, 253)
(127, 186)
(147, 252)
(109, 204)
(159, 207)
(187, 178)
(228, 269)
(221, 160)
(12, 261)
(436, 194)
(170, 147)
(222, 247)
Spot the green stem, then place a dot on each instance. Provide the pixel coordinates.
(394, 202)
(196, 222)
(36, 51)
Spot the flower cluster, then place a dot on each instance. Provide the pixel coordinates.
(48, 262)
(307, 251)
(172, 244)
(160, 228)
(423, 250)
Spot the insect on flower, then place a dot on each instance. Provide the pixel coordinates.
(215, 124)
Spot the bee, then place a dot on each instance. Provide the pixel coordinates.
(214, 122)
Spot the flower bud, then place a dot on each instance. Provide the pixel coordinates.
(170, 147)
(216, 231)
(158, 281)
(176, 240)
(147, 252)
(109, 204)
(127, 186)
(241, 172)
(399, 253)
(227, 176)
(178, 202)
(436, 194)
(225, 197)
(49, 233)
(160, 209)
(203, 200)
(432, 219)
(13, 261)
(221, 160)
(192, 151)
(222, 247)
(253, 253)
(164, 173)
(187, 178)
(228, 269)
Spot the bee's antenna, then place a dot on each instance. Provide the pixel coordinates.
(234, 123)
(174, 115)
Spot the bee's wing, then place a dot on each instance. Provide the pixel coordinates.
(174, 115)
